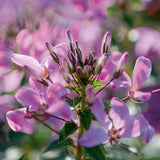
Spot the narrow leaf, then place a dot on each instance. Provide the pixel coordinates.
(57, 146)
(86, 118)
(76, 101)
(98, 152)
(97, 86)
(67, 130)
(107, 106)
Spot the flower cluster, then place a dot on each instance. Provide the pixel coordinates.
(63, 94)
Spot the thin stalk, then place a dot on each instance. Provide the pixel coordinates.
(75, 81)
(52, 129)
(125, 98)
(6, 107)
(78, 152)
(156, 90)
(75, 90)
(104, 86)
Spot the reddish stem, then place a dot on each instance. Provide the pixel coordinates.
(6, 107)
(104, 86)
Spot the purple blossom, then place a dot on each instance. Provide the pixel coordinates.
(122, 125)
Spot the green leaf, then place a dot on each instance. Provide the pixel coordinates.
(57, 146)
(86, 116)
(97, 81)
(97, 86)
(106, 105)
(98, 152)
(76, 101)
(67, 130)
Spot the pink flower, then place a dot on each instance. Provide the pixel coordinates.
(20, 121)
(122, 125)
(141, 73)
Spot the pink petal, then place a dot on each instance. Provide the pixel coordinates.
(60, 108)
(99, 112)
(148, 133)
(141, 72)
(24, 39)
(36, 86)
(134, 127)
(28, 126)
(55, 91)
(93, 137)
(142, 96)
(122, 62)
(119, 113)
(27, 97)
(15, 119)
(108, 70)
(22, 60)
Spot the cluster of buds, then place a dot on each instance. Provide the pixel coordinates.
(82, 68)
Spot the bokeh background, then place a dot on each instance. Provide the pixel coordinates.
(26, 25)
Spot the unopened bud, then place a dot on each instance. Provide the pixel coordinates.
(65, 74)
(53, 53)
(78, 46)
(79, 58)
(89, 94)
(106, 42)
(36, 75)
(100, 63)
(87, 71)
(71, 57)
(71, 42)
(69, 66)
(80, 72)
(70, 37)
(91, 57)
(123, 61)
(121, 65)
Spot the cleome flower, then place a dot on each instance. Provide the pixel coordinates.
(119, 124)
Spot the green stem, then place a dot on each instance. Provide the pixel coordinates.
(78, 152)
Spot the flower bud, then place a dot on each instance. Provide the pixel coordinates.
(70, 37)
(91, 57)
(87, 71)
(53, 53)
(89, 94)
(122, 62)
(71, 57)
(106, 43)
(71, 68)
(71, 42)
(65, 74)
(100, 63)
(80, 72)
(121, 65)
(79, 58)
